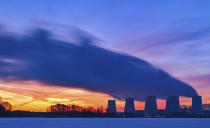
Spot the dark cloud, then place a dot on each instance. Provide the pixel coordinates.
(40, 58)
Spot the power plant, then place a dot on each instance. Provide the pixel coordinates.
(172, 104)
(129, 105)
(197, 107)
(150, 109)
(150, 105)
(111, 107)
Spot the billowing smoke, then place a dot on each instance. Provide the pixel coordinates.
(39, 57)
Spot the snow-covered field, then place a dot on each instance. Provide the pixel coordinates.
(103, 123)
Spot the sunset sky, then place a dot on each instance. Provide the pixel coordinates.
(172, 35)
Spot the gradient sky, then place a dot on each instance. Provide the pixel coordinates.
(173, 35)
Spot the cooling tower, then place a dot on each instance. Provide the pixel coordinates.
(172, 104)
(150, 105)
(111, 106)
(197, 107)
(129, 105)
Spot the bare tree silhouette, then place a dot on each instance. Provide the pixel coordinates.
(74, 108)
(7, 106)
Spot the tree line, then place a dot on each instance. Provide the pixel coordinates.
(75, 108)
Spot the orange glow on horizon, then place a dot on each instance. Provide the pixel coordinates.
(33, 96)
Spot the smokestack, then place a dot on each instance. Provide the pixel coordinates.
(129, 105)
(111, 107)
(172, 104)
(197, 107)
(150, 105)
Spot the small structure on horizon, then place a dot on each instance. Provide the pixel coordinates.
(172, 104)
(129, 105)
(111, 107)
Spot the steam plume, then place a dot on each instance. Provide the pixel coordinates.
(39, 57)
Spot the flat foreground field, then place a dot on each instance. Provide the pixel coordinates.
(104, 122)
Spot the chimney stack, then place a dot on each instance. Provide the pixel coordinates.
(150, 105)
(129, 105)
(172, 104)
(197, 107)
(111, 107)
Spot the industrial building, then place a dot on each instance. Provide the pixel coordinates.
(111, 107)
(129, 105)
(197, 107)
(172, 105)
(150, 105)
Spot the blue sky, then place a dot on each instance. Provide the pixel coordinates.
(174, 35)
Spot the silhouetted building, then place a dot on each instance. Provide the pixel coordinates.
(111, 107)
(197, 107)
(129, 105)
(150, 105)
(172, 104)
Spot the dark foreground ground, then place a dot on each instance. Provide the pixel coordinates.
(17, 114)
